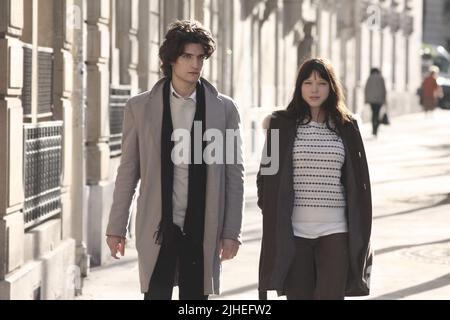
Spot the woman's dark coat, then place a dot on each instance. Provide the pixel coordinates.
(276, 199)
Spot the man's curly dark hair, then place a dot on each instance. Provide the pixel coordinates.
(181, 33)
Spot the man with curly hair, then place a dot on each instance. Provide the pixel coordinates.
(189, 213)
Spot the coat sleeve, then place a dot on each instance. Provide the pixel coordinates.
(259, 185)
(366, 187)
(234, 179)
(260, 177)
(128, 176)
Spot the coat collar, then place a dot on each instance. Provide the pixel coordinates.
(157, 88)
(215, 111)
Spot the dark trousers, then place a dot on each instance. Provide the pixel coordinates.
(319, 269)
(375, 117)
(175, 251)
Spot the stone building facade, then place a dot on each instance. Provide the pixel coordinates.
(436, 22)
(68, 67)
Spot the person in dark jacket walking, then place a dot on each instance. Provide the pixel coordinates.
(375, 95)
(189, 210)
(317, 210)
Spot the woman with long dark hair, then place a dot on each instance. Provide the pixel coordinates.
(317, 211)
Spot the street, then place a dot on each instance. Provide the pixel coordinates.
(409, 166)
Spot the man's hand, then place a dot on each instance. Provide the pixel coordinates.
(116, 244)
(229, 249)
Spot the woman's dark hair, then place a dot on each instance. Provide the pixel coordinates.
(181, 33)
(334, 105)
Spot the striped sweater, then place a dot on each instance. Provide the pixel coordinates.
(319, 206)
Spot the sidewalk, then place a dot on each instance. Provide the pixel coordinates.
(410, 171)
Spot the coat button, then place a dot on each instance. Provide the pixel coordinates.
(359, 154)
(365, 187)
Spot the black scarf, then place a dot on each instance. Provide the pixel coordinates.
(195, 213)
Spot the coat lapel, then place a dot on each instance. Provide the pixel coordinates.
(215, 119)
(153, 116)
(215, 111)
(287, 138)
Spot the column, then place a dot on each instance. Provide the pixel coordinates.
(100, 187)
(11, 141)
(62, 95)
(127, 18)
(76, 14)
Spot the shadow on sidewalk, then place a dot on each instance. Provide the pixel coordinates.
(423, 287)
(251, 287)
(443, 202)
(411, 178)
(396, 248)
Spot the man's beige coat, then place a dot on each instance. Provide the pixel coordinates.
(141, 160)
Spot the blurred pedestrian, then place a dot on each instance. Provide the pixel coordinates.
(431, 92)
(317, 211)
(183, 229)
(375, 95)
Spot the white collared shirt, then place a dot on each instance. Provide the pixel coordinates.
(183, 113)
(173, 92)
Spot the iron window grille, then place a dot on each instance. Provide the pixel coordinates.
(42, 171)
(117, 101)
